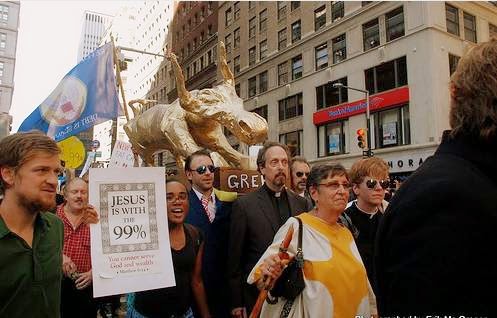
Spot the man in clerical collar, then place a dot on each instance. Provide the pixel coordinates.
(255, 219)
(370, 179)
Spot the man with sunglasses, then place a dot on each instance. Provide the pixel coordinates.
(210, 211)
(369, 179)
(435, 245)
(300, 169)
(256, 218)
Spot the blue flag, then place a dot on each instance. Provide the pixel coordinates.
(86, 96)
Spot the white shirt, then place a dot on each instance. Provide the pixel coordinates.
(212, 202)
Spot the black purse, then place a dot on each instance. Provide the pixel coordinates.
(291, 281)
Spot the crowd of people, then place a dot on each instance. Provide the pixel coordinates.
(426, 252)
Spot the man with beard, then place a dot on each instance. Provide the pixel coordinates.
(255, 219)
(300, 169)
(30, 238)
(210, 211)
(77, 296)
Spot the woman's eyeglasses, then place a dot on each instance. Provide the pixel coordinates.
(371, 183)
(203, 169)
(299, 174)
(182, 196)
(336, 185)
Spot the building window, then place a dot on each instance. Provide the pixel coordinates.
(339, 46)
(395, 23)
(263, 20)
(337, 10)
(261, 111)
(452, 19)
(332, 138)
(281, 10)
(262, 50)
(282, 73)
(294, 5)
(252, 24)
(227, 43)
(371, 34)
(3, 40)
(209, 57)
(327, 95)
(392, 127)
(297, 67)
(4, 12)
(236, 7)
(282, 39)
(237, 89)
(228, 16)
(236, 65)
(252, 86)
(293, 141)
(321, 55)
(252, 56)
(386, 76)
(290, 107)
(236, 37)
(263, 82)
(296, 31)
(469, 27)
(492, 31)
(453, 61)
(319, 18)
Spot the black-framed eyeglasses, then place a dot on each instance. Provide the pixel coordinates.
(203, 169)
(336, 185)
(371, 183)
(301, 173)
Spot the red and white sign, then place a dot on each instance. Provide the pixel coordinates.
(378, 101)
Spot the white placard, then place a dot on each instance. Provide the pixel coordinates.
(130, 247)
(122, 155)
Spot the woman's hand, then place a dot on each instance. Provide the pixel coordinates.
(272, 267)
(83, 280)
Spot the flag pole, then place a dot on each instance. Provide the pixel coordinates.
(119, 80)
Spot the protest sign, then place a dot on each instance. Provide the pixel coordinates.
(130, 246)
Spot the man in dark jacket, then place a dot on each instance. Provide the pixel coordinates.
(210, 211)
(255, 219)
(434, 248)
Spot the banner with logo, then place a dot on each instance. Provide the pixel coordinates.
(86, 96)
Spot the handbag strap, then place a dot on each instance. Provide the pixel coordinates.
(300, 254)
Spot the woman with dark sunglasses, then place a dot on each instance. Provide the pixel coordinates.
(336, 283)
(186, 250)
(370, 182)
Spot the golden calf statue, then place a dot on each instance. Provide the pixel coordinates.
(195, 120)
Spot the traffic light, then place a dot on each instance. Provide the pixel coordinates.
(362, 138)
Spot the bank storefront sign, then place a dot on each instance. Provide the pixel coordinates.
(408, 160)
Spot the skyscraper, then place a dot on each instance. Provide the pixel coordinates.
(9, 25)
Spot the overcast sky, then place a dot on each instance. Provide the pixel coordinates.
(48, 40)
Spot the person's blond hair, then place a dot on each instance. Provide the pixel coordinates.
(473, 109)
(372, 166)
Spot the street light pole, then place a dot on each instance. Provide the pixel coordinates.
(369, 153)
